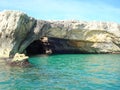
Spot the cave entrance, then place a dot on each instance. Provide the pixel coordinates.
(41, 46)
(35, 48)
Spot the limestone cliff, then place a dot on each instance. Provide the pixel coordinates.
(14, 28)
(18, 31)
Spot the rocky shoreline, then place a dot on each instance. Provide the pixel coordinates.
(22, 34)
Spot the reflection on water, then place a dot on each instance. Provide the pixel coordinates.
(64, 72)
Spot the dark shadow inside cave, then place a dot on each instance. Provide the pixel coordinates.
(36, 47)
(53, 46)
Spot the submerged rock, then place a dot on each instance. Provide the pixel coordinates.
(19, 57)
(19, 60)
(18, 31)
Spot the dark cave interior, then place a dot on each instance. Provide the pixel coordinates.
(36, 47)
(51, 46)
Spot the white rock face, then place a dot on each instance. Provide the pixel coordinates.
(14, 26)
(17, 31)
(110, 27)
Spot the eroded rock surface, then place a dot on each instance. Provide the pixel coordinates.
(18, 31)
(19, 60)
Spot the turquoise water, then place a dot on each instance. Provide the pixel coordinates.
(64, 72)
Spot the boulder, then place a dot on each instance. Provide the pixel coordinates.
(19, 60)
(19, 57)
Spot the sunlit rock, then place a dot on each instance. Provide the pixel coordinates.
(19, 57)
(19, 60)
(19, 31)
(14, 27)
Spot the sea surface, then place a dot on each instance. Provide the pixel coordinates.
(64, 72)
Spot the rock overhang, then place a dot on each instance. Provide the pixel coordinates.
(18, 31)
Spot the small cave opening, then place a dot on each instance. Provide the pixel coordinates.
(41, 46)
(36, 47)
